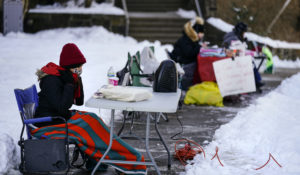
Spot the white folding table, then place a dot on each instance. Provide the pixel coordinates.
(158, 103)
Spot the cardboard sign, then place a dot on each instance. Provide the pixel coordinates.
(235, 76)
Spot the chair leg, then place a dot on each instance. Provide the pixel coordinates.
(124, 121)
(164, 116)
(75, 157)
(131, 124)
(21, 144)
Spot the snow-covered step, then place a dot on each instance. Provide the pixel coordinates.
(167, 29)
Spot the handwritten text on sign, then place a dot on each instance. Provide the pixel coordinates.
(235, 76)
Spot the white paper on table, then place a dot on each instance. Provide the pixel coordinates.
(235, 76)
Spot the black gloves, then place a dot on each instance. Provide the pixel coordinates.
(66, 76)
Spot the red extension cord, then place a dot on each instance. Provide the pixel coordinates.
(188, 152)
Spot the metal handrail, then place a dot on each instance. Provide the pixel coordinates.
(278, 15)
(126, 17)
(198, 8)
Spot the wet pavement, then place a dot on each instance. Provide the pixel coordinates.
(197, 123)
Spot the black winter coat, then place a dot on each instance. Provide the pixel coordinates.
(56, 98)
(185, 50)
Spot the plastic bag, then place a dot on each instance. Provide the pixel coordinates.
(205, 93)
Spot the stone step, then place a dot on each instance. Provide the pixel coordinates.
(147, 2)
(154, 1)
(162, 37)
(165, 20)
(156, 24)
(154, 29)
(155, 19)
(167, 28)
(155, 15)
(152, 5)
(162, 41)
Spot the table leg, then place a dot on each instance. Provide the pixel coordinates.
(110, 140)
(147, 143)
(163, 142)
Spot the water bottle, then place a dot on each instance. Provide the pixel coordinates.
(110, 74)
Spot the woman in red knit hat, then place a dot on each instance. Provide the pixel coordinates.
(61, 87)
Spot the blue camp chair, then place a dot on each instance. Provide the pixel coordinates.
(39, 155)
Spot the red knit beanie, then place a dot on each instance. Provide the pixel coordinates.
(71, 55)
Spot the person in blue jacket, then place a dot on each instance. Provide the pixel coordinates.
(237, 33)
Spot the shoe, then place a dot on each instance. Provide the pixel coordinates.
(91, 163)
(259, 84)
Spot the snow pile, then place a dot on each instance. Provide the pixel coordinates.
(225, 27)
(286, 63)
(271, 125)
(9, 157)
(280, 63)
(103, 8)
(186, 13)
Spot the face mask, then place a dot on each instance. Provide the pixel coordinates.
(77, 71)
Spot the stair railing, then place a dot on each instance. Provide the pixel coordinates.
(198, 8)
(126, 17)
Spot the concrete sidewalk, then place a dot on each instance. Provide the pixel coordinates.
(199, 124)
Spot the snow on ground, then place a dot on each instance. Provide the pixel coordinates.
(226, 27)
(9, 154)
(270, 125)
(70, 7)
(22, 54)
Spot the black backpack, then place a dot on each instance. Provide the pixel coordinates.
(166, 77)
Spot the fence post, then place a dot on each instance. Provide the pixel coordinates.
(12, 16)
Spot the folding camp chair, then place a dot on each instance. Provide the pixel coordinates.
(132, 73)
(135, 70)
(39, 155)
